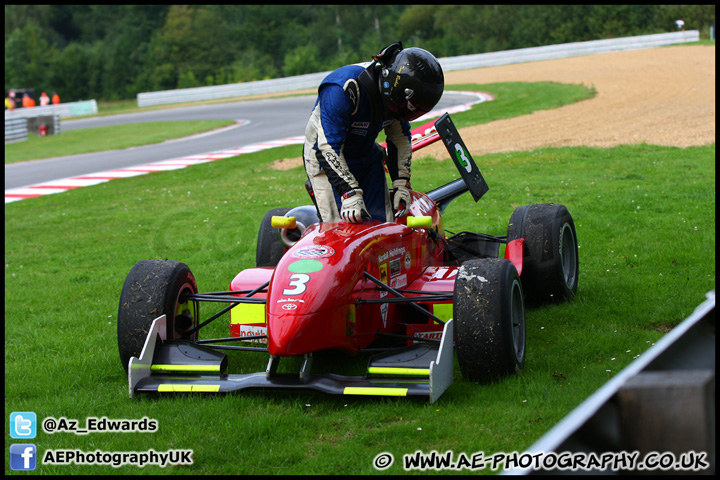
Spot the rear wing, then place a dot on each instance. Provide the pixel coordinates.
(464, 162)
(471, 179)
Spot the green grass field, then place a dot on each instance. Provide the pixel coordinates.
(645, 219)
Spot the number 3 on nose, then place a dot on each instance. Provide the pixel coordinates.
(297, 281)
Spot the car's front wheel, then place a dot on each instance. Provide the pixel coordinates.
(489, 316)
(151, 289)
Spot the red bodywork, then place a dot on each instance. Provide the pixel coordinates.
(311, 298)
(340, 286)
(313, 293)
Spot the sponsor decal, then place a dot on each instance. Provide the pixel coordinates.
(290, 303)
(360, 124)
(332, 159)
(383, 273)
(408, 260)
(399, 281)
(252, 331)
(305, 266)
(393, 253)
(436, 335)
(424, 331)
(353, 93)
(314, 251)
(395, 269)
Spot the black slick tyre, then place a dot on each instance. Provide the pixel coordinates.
(550, 264)
(270, 248)
(151, 289)
(489, 318)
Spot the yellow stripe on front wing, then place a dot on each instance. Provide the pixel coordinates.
(188, 388)
(399, 371)
(185, 368)
(395, 392)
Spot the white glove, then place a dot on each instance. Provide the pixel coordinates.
(401, 197)
(353, 207)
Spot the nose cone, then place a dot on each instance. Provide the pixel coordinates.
(297, 334)
(290, 335)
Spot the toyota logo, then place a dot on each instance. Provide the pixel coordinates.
(289, 306)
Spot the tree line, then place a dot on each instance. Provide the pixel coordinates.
(111, 52)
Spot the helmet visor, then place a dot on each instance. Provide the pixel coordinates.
(406, 110)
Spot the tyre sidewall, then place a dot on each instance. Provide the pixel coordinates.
(483, 303)
(543, 227)
(151, 289)
(270, 248)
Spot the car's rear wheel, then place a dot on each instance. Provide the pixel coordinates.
(151, 289)
(489, 317)
(270, 247)
(550, 265)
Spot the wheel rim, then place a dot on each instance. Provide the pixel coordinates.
(517, 315)
(186, 313)
(568, 256)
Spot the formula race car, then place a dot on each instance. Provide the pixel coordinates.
(406, 291)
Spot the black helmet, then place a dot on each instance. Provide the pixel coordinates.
(411, 81)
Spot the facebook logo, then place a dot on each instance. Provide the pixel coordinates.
(23, 456)
(23, 425)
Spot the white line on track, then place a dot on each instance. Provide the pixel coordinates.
(65, 184)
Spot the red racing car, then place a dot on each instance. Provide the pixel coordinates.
(405, 291)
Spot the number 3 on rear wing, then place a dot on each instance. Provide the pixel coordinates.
(461, 156)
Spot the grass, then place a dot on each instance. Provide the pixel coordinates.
(98, 139)
(642, 272)
(646, 227)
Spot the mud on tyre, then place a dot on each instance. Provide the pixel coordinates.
(151, 289)
(489, 316)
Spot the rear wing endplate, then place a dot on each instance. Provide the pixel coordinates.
(461, 156)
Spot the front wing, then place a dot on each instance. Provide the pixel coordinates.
(420, 370)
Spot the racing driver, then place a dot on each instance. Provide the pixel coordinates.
(343, 163)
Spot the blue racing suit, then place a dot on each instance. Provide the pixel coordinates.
(340, 153)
